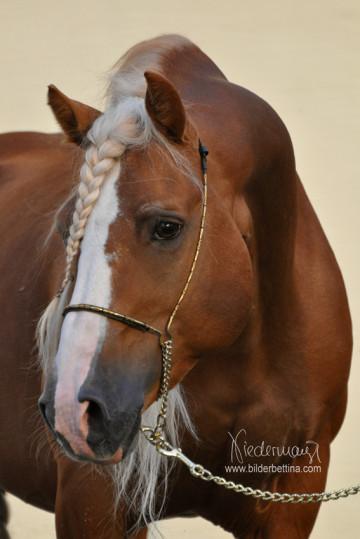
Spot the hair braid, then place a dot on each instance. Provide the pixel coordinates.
(100, 161)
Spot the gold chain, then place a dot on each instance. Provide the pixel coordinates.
(202, 473)
(155, 435)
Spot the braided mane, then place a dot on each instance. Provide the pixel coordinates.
(124, 125)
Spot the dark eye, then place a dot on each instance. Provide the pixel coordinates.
(167, 230)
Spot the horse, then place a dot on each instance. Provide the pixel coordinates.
(178, 299)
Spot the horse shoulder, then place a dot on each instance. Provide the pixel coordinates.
(294, 267)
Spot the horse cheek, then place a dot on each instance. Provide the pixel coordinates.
(221, 298)
(230, 297)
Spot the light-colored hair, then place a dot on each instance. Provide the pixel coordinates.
(124, 125)
(137, 476)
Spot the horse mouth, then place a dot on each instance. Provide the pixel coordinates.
(108, 445)
(105, 460)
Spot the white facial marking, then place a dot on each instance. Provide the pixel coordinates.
(83, 332)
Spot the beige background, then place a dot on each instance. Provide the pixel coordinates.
(301, 56)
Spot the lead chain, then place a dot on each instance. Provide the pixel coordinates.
(199, 471)
(155, 435)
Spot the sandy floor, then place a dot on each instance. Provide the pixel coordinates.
(302, 57)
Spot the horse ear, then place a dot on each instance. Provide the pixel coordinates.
(165, 107)
(75, 118)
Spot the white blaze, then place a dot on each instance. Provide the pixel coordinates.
(83, 332)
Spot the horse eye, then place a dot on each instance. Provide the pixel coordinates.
(167, 230)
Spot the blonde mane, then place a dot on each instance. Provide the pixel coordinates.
(125, 125)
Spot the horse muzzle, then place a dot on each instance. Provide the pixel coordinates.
(101, 424)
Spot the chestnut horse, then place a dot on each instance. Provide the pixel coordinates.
(259, 317)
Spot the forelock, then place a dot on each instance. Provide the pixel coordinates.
(126, 122)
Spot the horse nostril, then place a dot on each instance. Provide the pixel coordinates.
(95, 415)
(42, 409)
(107, 423)
(94, 411)
(96, 422)
(45, 413)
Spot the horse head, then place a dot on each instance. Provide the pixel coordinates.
(131, 235)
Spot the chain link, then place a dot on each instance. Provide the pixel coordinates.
(155, 435)
(199, 471)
